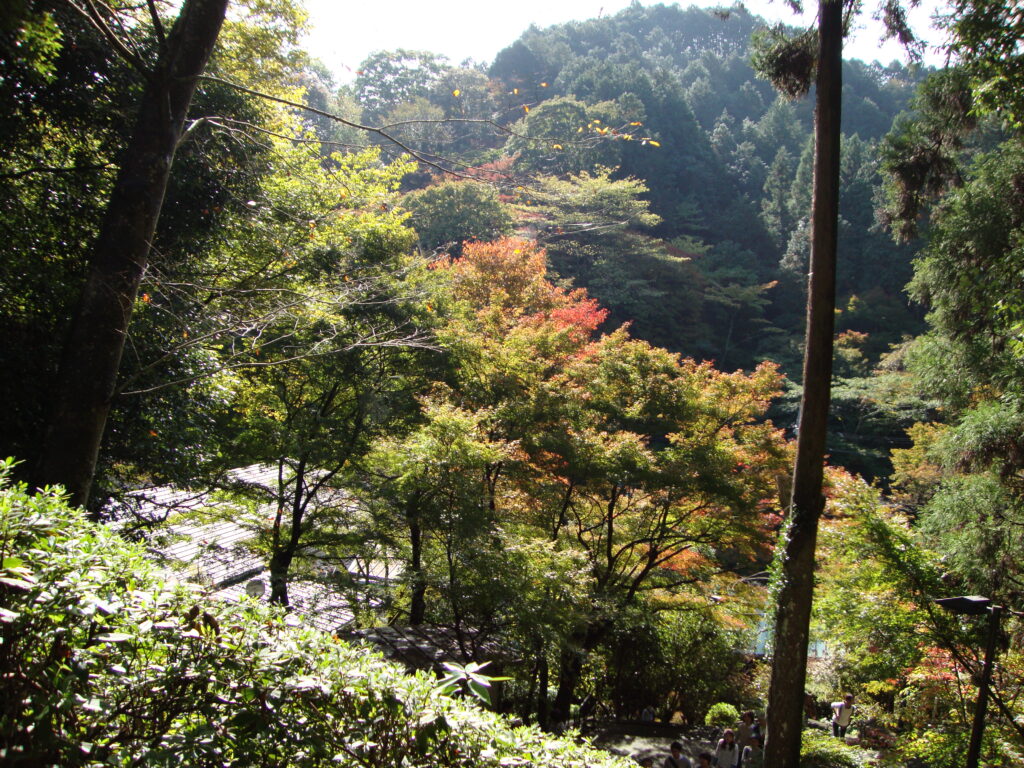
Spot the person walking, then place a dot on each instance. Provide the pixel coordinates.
(753, 755)
(727, 755)
(744, 731)
(676, 758)
(842, 711)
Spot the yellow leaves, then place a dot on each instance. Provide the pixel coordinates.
(636, 123)
(456, 93)
(153, 433)
(146, 299)
(526, 109)
(515, 91)
(556, 146)
(654, 143)
(543, 85)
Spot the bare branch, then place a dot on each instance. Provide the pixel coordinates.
(438, 162)
(429, 160)
(56, 169)
(93, 17)
(158, 25)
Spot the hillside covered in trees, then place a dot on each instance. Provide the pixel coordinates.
(516, 351)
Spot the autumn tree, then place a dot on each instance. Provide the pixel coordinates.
(658, 473)
(622, 467)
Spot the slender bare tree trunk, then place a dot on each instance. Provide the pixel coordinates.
(793, 609)
(92, 352)
(418, 581)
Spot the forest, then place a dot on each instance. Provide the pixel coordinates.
(511, 353)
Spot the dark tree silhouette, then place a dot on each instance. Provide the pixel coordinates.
(92, 352)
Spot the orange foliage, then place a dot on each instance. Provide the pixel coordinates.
(493, 172)
(511, 274)
(935, 667)
(580, 319)
(686, 561)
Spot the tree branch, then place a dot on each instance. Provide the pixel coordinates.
(95, 20)
(56, 169)
(158, 26)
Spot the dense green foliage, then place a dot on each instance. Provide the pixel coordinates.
(722, 714)
(107, 662)
(728, 175)
(445, 215)
(517, 422)
(819, 750)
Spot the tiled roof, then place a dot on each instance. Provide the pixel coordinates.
(427, 647)
(215, 552)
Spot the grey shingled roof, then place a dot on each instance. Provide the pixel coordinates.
(215, 553)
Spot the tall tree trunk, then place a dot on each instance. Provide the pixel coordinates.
(92, 352)
(570, 665)
(280, 564)
(543, 705)
(418, 582)
(284, 549)
(793, 609)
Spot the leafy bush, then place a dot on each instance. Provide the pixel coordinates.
(105, 662)
(722, 714)
(818, 749)
(676, 660)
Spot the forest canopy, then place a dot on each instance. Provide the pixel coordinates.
(511, 352)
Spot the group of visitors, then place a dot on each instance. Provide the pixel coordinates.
(738, 748)
(742, 747)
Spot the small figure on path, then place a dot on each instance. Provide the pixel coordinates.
(746, 729)
(753, 755)
(647, 714)
(842, 711)
(676, 759)
(727, 755)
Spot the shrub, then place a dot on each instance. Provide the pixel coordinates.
(105, 662)
(722, 714)
(936, 748)
(818, 749)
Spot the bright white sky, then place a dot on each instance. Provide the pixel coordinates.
(344, 33)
